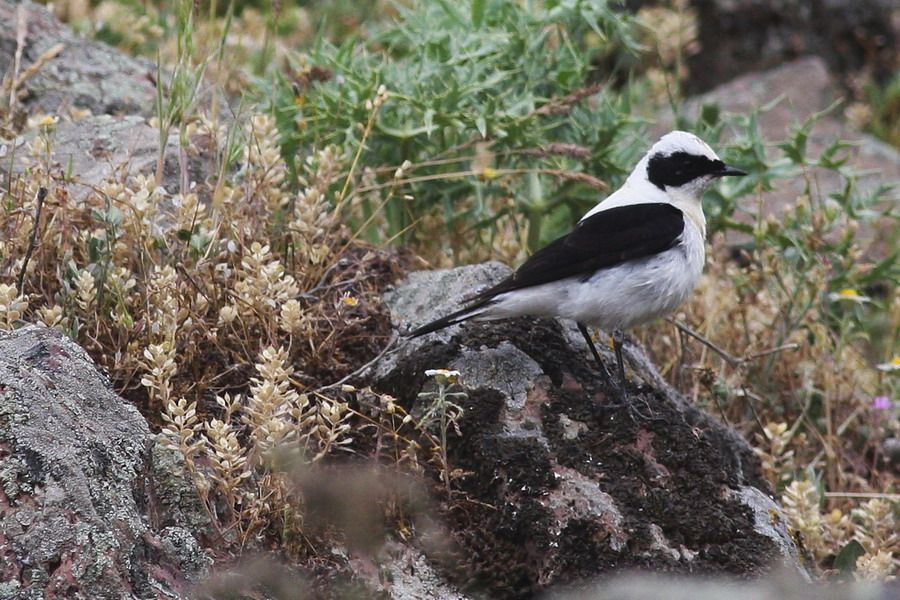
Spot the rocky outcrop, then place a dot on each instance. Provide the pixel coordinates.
(81, 73)
(106, 148)
(742, 36)
(115, 141)
(561, 484)
(80, 515)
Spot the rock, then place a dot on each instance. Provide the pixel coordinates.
(73, 483)
(84, 75)
(560, 484)
(782, 586)
(173, 501)
(804, 88)
(412, 575)
(743, 36)
(93, 150)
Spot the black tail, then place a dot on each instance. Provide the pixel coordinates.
(451, 319)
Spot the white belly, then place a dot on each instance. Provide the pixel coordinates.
(616, 298)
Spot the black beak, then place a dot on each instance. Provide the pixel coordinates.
(729, 171)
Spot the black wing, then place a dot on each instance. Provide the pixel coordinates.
(604, 239)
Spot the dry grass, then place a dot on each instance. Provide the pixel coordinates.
(221, 313)
(802, 392)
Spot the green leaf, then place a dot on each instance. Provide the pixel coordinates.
(200, 242)
(429, 121)
(478, 7)
(709, 115)
(450, 11)
(845, 561)
(127, 319)
(481, 125)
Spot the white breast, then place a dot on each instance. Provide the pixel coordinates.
(618, 297)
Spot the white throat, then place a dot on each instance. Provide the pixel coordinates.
(691, 207)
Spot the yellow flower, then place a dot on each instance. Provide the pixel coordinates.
(891, 365)
(349, 300)
(42, 121)
(848, 295)
(489, 173)
(443, 376)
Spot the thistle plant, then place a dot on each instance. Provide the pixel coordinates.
(518, 83)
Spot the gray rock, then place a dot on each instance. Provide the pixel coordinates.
(802, 88)
(173, 499)
(100, 148)
(782, 586)
(412, 575)
(85, 75)
(72, 471)
(742, 36)
(562, 485)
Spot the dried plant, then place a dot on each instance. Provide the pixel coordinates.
(12, 306)
(776, 456)
(876, 526)
(801, 507)
(445, 413)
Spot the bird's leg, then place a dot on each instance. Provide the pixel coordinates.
(617, 386)
(618, 337)
(587, 337)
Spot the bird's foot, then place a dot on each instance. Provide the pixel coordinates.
(637, 406)
(618, 385)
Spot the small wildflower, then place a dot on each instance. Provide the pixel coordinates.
(42, 121)
(881, 403)
(349, 300)
(848, 295)
(443, 376)
(489, 173)
(891, 365)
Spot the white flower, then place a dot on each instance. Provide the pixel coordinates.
(443, 376)
(891, 365)
(42, 121)
(848, 295)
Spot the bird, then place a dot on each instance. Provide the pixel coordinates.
(632, 258)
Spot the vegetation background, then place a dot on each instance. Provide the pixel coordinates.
(353, 141)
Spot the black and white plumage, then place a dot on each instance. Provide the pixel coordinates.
(635, 256)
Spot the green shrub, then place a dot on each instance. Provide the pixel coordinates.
(493, 104)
